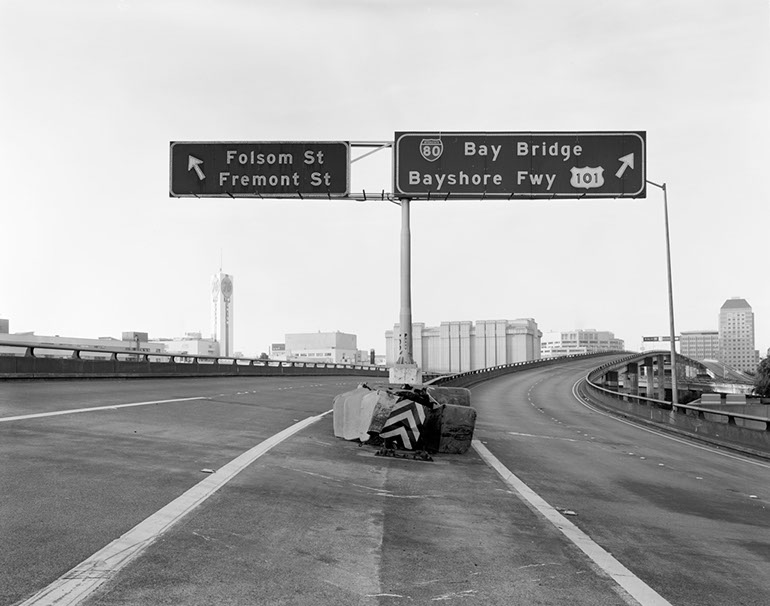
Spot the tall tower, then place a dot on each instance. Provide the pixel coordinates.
(222, 312)
(736, 335)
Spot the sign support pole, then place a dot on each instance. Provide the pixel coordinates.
(405, 316)
(405, 369)
(674, 390)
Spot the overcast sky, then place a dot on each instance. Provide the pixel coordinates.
(92, 92)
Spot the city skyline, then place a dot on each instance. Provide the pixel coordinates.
(87, 117)
(221, 324)
(691, 340)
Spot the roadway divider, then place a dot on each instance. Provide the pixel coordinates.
(473, 377)
(60, 362)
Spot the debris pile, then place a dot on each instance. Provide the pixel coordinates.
(419, 419)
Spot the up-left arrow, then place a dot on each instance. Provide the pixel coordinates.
(193, 162)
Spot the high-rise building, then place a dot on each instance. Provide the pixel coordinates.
(579, 341)
(699, 344)
(736, 335)
(222, 313)
(461, 346)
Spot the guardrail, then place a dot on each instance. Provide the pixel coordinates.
(473, 377)
(96, 362)
(749, 433)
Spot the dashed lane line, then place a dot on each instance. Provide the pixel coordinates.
(632, 585)
(73, 411)
(73, 587)
(531, 435)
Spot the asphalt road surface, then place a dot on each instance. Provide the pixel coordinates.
(317, 520)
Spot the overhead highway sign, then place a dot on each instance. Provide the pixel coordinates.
(507, 165)
(268, 169)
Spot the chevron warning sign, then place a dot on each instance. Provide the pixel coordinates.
(404, 424)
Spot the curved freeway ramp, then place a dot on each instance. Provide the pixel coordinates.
(234, 491)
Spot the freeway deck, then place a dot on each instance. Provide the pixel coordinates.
(318, 520)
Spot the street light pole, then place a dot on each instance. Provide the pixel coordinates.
(672, 332)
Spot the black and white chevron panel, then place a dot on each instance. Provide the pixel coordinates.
(404, 425)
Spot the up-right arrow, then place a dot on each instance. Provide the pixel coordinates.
(626, 162)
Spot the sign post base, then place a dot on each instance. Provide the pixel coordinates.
(405, 374)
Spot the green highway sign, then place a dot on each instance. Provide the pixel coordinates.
(267, 169)
(510, 165)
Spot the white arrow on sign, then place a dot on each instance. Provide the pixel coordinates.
(193, 162)
(626, 162)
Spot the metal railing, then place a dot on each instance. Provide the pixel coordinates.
(106, 360)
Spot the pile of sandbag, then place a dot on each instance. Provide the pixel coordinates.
(434, 419)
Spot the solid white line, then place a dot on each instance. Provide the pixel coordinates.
(79, 583)
(56, 413)
(633, 585)
(710, 449)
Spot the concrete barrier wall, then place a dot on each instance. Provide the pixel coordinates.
(474, 377)
(29, 367)
(740, 434)
(756, 410)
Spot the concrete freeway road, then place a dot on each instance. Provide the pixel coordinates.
(691, 521)
(319, 521)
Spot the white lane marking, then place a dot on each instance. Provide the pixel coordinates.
(56, 413)
(633, 585)
(79, 583)
(712, 450)
(531, 435)
(458, 594)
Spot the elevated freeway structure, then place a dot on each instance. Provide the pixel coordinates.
(232, 489)
(648, 375)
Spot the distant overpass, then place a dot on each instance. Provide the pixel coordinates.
(648, 375)
(639, 386)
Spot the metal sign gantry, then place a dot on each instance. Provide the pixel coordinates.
(427, 165)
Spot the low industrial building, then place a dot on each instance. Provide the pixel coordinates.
(332, 347)
(578, 341)
(131, 342)
(192, 344)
